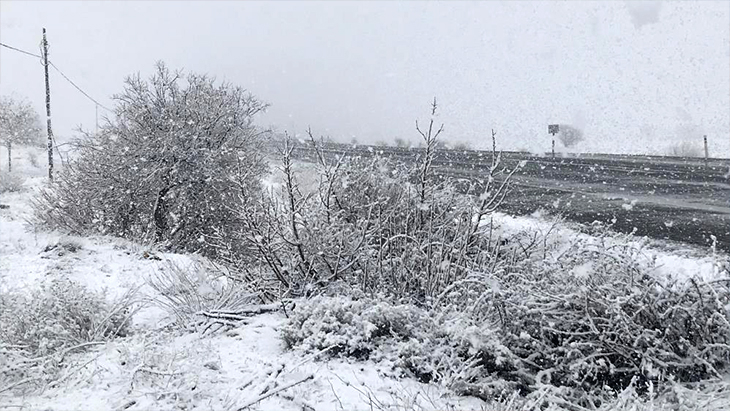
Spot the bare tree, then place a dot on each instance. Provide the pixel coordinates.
(685, 149)
(462, 145)
(19, 124)
(569, 135)
(401, 143)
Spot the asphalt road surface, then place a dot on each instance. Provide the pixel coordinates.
(665, 198)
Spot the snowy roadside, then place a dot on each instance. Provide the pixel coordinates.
(161, 368)
(670, 261)
(165, 368)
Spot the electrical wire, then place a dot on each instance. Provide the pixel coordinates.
(50, 63)
(77, 87)
(22, 51)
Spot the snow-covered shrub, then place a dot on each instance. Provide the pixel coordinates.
(588, 316)
(446, 346)
(576, 320)
(351, 327)
(60, 314)
(11, 182)
(38, 329)
(174, 164)
(380, 227)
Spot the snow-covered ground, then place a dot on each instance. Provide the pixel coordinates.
(672, 260)
(160, 367)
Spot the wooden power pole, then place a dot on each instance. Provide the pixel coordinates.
(48, 108)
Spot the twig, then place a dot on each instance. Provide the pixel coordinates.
(313, 356)
(140, 368)
(126, 405)
(272, 392)
(335, 394)
(21, 382)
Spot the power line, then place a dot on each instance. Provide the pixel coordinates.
(22, 51)
(77, 87)
(61, 73)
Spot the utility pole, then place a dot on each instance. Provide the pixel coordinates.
(48, 108)
(707, 153)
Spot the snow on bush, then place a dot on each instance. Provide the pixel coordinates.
(574, 320)
(38, 329)
(382, 228)
(11, 182)
(448, 348)
(173, 165)
(590, 316)
(446, 299)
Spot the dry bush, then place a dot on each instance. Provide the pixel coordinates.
(11, 182)
(374, 226)
(201, 297)
(38, 330)
(572, 322)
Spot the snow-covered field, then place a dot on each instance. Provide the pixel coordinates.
(160, 367)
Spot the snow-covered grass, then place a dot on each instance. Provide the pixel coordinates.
(163, 364)
(168, 370)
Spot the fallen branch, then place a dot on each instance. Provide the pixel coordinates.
(141, 368)
(126, 405)
(240, 314)
(274, 391)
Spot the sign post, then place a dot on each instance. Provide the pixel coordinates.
(553, 129)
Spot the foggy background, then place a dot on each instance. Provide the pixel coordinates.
(637, 77)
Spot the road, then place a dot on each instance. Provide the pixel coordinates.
(665, 198)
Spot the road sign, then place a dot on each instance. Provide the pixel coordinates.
(553, 129)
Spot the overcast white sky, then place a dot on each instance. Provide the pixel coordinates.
(637, 76)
